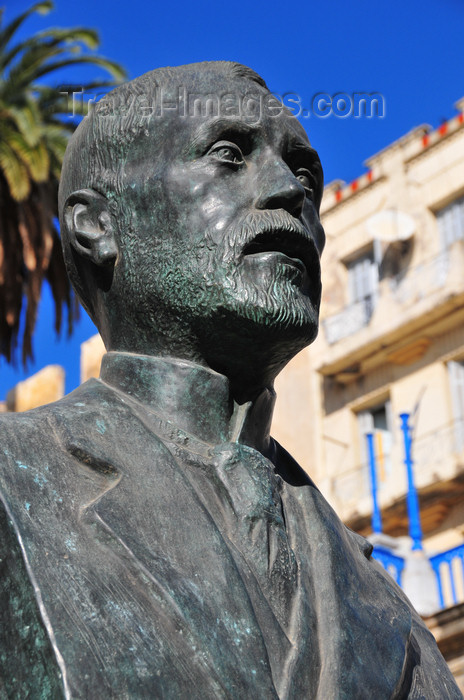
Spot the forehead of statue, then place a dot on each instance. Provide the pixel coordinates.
(190, 114)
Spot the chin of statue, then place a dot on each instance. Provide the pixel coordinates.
(278, 297)
(282, 314)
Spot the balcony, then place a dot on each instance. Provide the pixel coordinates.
(348, 321)
(404, 306)
(448, 568)
(392, 563)
(416, 283)
(438, 457)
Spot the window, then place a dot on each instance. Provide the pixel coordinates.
(377, 420)
(363, 283)
(456, 376)
(363, 279)
(451, 222)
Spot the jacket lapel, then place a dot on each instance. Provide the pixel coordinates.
(146, 510)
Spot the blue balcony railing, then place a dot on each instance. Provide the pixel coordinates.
(448, 567)
(449, 570)
(390, 562)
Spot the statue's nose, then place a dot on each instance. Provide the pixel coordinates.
(280, 189)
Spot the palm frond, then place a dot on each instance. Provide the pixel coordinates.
(34, 128)
(35, 158)
(27, 70)
(5, 34)
(111, 67)
(52, 37)
(26, 119)
(15, 172)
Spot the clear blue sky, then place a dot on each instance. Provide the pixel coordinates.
(410, 51)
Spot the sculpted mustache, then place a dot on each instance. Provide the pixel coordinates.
(259, 223)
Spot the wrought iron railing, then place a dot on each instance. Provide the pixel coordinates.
(421, 280)
(429, 449)
(407, 287)
(350, 320)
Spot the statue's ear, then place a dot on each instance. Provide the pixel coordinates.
(90, 227)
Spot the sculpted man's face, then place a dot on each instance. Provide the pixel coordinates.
(225, 235)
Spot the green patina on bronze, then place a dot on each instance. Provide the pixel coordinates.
(28, 667)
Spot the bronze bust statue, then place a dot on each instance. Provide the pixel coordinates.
(157, 542)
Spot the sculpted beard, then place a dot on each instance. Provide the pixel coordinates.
(271, 294)
(209, 279)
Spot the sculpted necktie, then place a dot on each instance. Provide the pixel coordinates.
(249, 495)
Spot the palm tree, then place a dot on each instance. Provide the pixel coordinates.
(33, 137)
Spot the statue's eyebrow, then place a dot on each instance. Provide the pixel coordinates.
(212, 130)
(302, 149)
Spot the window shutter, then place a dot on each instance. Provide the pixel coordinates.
(450, 221)
(365, 425)
(363, 278)
(456, 375)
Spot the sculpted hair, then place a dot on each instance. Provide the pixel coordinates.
(100, 147)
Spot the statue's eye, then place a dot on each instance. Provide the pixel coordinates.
(227, 152)
(307, 179)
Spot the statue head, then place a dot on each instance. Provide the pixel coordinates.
(189, 208)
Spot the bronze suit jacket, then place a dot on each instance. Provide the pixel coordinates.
(124, 572)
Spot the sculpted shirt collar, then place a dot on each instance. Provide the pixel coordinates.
(194, 398)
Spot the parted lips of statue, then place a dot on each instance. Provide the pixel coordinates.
(156, 541)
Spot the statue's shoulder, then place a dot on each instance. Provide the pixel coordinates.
(41, 436)
(89, 397)
(94, 426)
